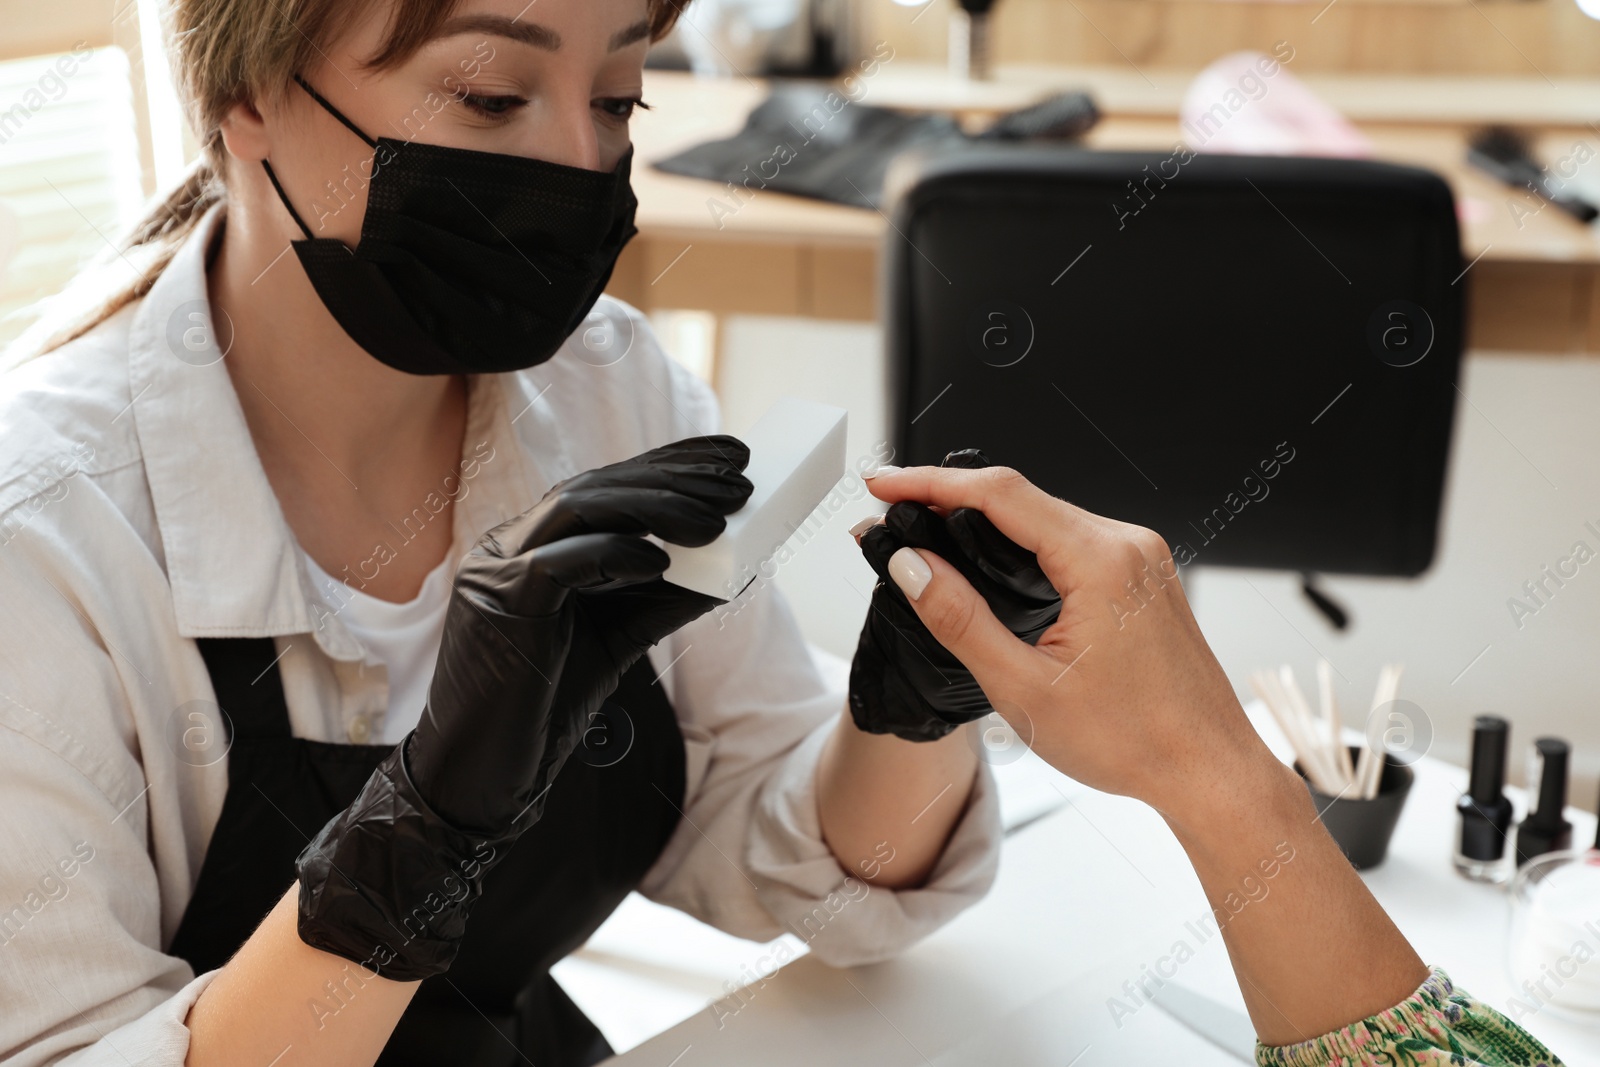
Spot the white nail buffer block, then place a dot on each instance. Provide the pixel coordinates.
(796, 458)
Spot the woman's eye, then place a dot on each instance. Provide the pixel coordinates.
(621, 107)
(492, 106)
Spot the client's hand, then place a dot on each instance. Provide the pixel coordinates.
(1121, 691)
(1123, 694)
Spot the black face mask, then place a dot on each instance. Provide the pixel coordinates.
(469, 262)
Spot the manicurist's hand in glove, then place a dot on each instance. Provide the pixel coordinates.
(902, 681)
(546, 614)
(1135, 703)
(899, 770)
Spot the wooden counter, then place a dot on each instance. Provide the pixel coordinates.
(1535, 285)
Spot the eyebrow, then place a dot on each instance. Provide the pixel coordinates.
(623, 38)
(532, 33)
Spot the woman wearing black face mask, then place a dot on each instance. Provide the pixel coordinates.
(340, 686)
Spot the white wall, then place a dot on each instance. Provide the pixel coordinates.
(1523, 482)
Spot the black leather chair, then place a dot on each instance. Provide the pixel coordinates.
(1254, 356)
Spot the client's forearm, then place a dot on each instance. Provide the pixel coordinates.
(1313, 950)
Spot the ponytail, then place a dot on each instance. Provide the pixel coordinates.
(147, 248)
(171, 220)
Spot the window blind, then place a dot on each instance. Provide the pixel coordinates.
(69, 171)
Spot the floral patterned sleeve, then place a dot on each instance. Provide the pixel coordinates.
(1436, 1025)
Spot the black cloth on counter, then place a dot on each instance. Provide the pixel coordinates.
(813, 140)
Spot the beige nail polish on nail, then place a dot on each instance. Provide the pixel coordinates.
(886, 468)
(863, 525)
(910, 571)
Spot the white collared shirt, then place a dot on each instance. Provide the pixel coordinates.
(135, 516)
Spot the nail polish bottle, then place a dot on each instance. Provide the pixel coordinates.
(1482, 843)
(1545, 830)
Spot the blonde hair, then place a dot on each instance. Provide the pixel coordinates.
(227, 52)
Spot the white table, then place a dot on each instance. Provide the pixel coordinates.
(1087, 895)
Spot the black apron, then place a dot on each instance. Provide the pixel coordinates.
(606, 819)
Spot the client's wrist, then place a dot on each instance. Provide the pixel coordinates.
(1239, 801)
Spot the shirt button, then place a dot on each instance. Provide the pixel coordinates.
(360, 729)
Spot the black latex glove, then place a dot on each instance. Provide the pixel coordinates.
(902, 681)
(547, 612)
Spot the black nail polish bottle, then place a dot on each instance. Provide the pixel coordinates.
(1482, 848)
(1545, 830)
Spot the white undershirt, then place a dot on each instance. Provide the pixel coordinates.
(403, 637)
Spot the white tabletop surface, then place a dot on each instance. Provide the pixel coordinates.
(1089, 893)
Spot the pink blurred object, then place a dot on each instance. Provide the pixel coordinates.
(1246, 103)
(1473, 209)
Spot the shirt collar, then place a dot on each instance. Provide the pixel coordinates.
(233, 562)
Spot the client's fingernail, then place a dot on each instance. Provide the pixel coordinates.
(863, 525)
(910, 571)
(885, 468)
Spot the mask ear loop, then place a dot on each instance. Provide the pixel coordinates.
(335, 112)
(272, 177)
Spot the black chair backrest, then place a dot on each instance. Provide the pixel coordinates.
(1254, 356)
